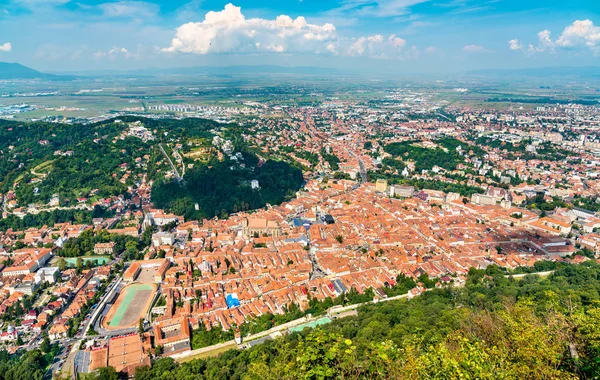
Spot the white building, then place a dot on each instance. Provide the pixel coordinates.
(163, 238)
(402, 191)
(46, 274)
(451, 197)
(482, 199)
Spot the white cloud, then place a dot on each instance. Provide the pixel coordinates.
(376, 8)
(581, 34)
(6, 47)
(431, 50)
(229, 31)
(365, 43)
(138, 9)
(545, 40)
(474, 49)
(377, 46)
(333, 48)
(114, 53)
(396, 42)
(515, 45)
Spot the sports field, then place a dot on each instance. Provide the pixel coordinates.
(312, 325)
(132, 304)
(96, 260)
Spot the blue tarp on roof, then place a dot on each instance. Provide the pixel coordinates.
(298, 222)
(232, 300)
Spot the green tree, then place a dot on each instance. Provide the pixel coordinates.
(79, 264)
(62, 264)
(104, 373)
(131, 247)
(45, 345)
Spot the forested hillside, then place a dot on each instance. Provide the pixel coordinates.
(224, 187)
(495, 327)
(443, 155)
(51, 218)
(41, 161)
(30, 152)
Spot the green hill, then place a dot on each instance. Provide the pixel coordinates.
(10, 71)
(18, 71)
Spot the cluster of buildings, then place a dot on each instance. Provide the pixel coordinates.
(340, 232)
(333, 237)
(209, 112)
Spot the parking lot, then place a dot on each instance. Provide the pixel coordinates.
(82, 361)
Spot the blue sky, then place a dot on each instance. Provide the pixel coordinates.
(399, 35)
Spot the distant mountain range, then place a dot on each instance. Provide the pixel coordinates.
(18, 71)
(562, 71)
(267, 69)
(10, 71)
(213, 70)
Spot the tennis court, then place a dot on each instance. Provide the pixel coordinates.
(312, 325)
(95, 260)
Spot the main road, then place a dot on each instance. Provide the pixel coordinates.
(361, 166)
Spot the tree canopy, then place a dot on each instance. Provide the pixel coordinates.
(223, 187)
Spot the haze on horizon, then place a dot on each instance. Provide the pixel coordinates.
(399, 35)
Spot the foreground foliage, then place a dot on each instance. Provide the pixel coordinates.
(29, 366)
(495, 327)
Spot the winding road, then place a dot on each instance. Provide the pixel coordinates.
(176, 173)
